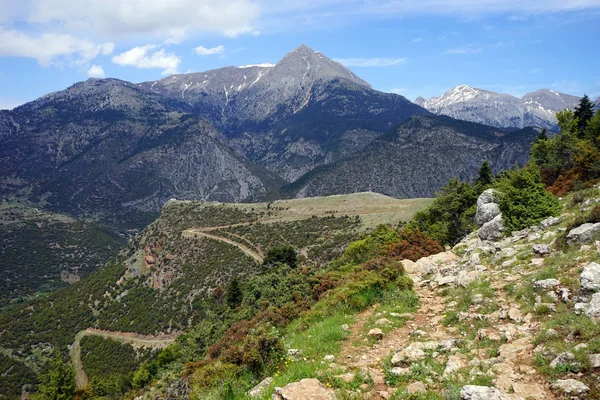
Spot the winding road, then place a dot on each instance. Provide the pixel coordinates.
(134, 339)
(194, 232)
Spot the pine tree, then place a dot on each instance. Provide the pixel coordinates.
(234, 294)
(584, 112)
(486, 177)
(58, 383)
(543, 135)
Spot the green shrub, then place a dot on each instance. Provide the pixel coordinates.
(524, 199)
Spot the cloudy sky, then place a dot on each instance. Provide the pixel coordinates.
(411, 47)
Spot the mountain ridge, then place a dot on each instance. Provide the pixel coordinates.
(500, 110)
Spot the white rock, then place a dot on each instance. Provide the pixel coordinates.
(571, 386)
(563, 359)
(541, 249)
(583, 233)
(454, 364)
(546, 284)
(417, 387)
(472, 392)
(329, 358)
(595, 360)
(258, 390)
(548, 222)
(589, 280)
(593, 310)
(492, 230)
(486, 212)
(375, 333)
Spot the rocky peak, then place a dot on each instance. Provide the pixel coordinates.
(304, 63)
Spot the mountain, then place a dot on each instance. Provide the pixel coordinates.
(109, 148)
(500, 109)
(417, 158)
(115, 151)
(300, 113)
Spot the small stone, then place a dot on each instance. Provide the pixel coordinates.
(345, 327)
(399, 371)
(383, 321)
(477, 299)
(446, 280)
(541, 249)
(593, 310)
(454, 364)
(294, 352)
(551, 333)
(595, 360)
(563, 359)
(417, 387)
(580, 308)
(571, 386)
(548, 222)
(589, 280)
(515, 314)
(329, 358)
(258, 390)
(375, 333)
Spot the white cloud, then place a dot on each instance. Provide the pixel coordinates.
(370, 62)
(172, 20)
(96, 71)
(204, 51)
(142, 57)
(465, 50)
(242, 30)
(50, 48)
(417, 40)
(428, 7)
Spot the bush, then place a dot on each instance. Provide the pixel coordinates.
(281, 254)
(524, 201)
(413, 245)
(451, 216)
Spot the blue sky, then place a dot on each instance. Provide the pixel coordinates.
(411, 47)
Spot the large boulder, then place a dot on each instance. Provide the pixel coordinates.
(492, 230)
(486, 213)
(473, 392)
(306, 389)
(487, 207)
(487, 197)
(583, 233)
(589, 281)
(593, 310)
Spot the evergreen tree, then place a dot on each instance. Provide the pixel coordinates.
(486, 177)
(543, 135)
(58, 383)
(234, 294)
(283, 254)
(584, 112)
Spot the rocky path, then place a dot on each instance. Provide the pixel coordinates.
(134, 339)
(512, 367)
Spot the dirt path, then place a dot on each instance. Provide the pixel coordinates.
(134, 339)
(515, 371)
(247, 250)
(358, 358)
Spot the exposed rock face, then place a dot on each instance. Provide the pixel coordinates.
(541, 249)
(583, 233)
(492, 230)
(500, 109)
(306, 389)
(416, 159)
